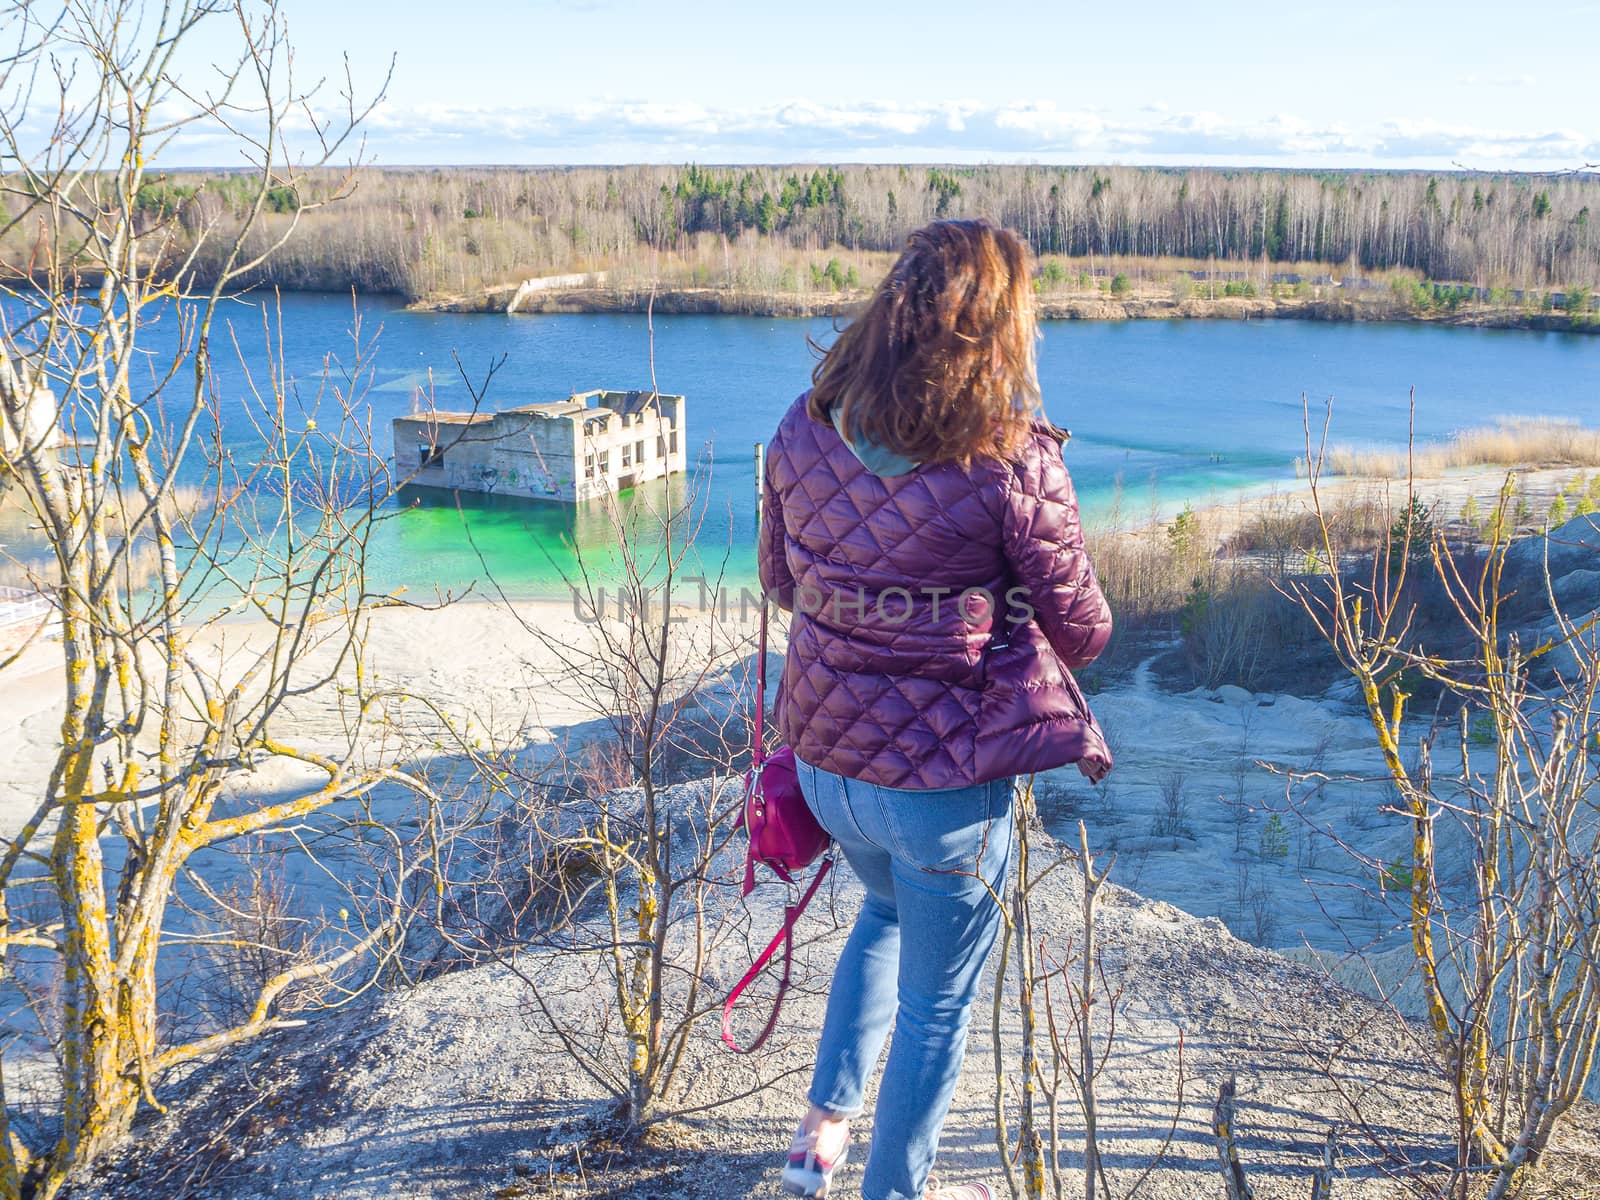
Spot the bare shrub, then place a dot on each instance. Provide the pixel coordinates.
(1175, 582)
(1285, 534)
(1243, 889)
(1260, 917)
(1069, 992)
(628, 879)
(1225, 1128)
(1172, 820)
(1237, 802)
(1145, 586)
(251, 929)
(1506, 943)
(1235, 628)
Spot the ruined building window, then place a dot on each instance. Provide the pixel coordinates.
(638, 451)
(605, 462)
(661, 445)
(588, 466)
(430, 454)
(674, 441)
(627, 455)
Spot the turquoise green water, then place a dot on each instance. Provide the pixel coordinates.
(1171, 411)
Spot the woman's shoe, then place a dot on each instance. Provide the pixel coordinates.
(813, 1158)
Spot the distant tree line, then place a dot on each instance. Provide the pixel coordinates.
(1451, 226)
(418, 231)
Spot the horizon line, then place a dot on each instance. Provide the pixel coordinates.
(1588, 170)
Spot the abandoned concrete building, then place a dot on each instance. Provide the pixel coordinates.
(589, 445)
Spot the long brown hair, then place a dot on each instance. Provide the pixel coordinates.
(939, 364)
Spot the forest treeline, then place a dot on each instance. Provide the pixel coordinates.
(430, 231)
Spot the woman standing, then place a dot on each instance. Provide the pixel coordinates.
(920, 525)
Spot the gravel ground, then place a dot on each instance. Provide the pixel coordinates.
(454, 1088)
(457, 1087)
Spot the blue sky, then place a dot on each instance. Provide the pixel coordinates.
(1292, 83)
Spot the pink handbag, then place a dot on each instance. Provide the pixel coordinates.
(784, 837)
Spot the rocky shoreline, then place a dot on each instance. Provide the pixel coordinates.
(1087, 307)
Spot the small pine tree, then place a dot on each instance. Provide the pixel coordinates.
(1559, 513)
(1274, 838)
(1470, 516)
(1183, 535)
(1497, 528)
(1395, 876)
(1121, 285)
(767, 214)
(1411, 535)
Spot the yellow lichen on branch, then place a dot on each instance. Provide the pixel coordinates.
(150, 739)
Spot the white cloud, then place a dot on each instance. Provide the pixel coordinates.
(858, 120)
(631, 129)
(1053, 127)
(1479, 147)
(1499, 81)
(956, 114)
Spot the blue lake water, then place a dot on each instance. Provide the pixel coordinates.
(1178, 411)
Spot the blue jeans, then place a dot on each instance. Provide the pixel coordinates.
(934, 865)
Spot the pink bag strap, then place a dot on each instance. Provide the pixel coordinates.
(758, 751)
(785, 938)
(758, 747)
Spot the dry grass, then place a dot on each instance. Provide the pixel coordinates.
(757, 268)
(25, 559)
(1282, 532)
(1218, 608)
(1520, 442)
(1151, 570)
(141, 569)
(1207, 583)
(1174, 276)
(15, 574)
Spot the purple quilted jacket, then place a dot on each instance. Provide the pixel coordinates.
(937, 614)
